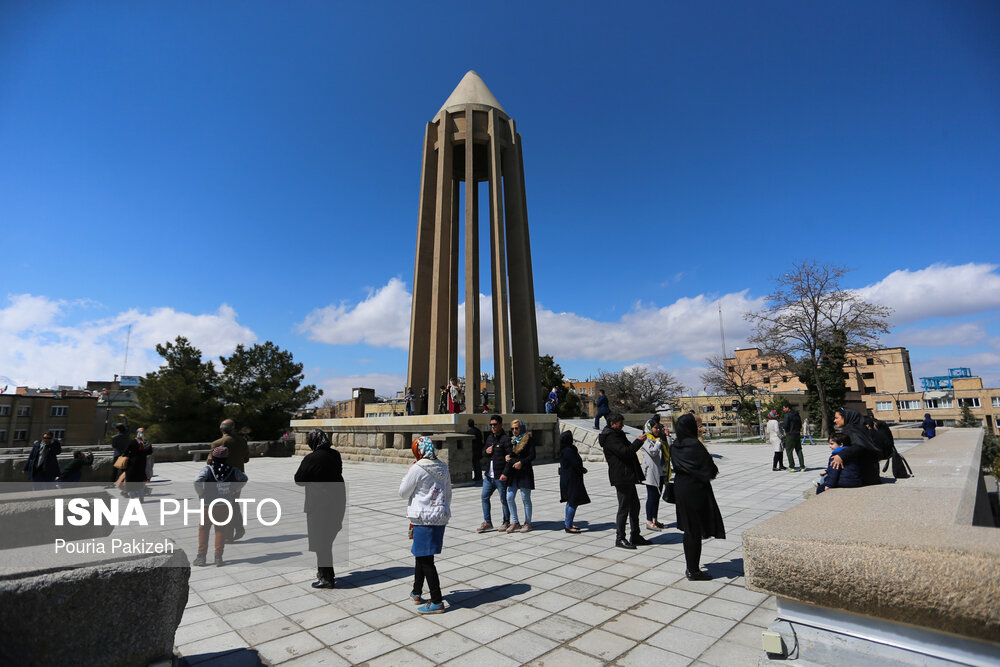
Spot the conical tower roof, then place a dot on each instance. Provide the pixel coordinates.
(471, 90)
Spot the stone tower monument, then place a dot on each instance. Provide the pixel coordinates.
(469, 141)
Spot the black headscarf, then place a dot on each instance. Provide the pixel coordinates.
(565, 440)
(854, 428)
(317, 439)
(687, 455)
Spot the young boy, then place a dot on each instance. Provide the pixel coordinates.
(848, 477)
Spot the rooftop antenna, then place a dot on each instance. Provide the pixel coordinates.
(722, 331)
(128, 339)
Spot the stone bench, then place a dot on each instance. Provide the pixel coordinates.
(90, 610)
(27, 517)
(898, 573)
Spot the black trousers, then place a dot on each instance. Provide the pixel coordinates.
(776, 461)
(628, 505)
(692, 551)
(425, 569)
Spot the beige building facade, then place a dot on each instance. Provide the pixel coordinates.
(875, 371)
(72, 416)
(943, 405)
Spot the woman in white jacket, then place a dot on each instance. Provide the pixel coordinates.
(655, 457)
(774, 439)
(427, 486)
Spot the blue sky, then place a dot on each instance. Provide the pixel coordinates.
(241, 172)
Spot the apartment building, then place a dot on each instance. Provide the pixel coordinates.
(27, 413)
(942, 398)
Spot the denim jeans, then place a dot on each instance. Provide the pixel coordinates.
(525, 499)
(570, 515)
(491, 484)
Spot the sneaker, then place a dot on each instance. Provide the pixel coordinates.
(659, 525)
(526, 528)
(802, 469)
(432, 608)
(791, 469)
(485, 527)
(503, 527)
(199, 561)
(653, 525)
(418, 599)
(219, 562)
(514, 527)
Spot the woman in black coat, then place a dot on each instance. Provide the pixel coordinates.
(571, 472)
(322, 473)
(863, 449)
(698, 514)
(138, 451)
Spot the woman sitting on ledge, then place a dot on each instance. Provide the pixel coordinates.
(862, 449)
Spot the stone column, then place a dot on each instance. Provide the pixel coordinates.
(498, 270)
(472, 334)
(423, 269)
(440, 320)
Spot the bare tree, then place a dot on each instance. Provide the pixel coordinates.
(639, 389)
(809, 308)
(731, 376)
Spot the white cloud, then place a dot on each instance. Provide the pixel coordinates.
(37, 347)
(937, 291)
(964, 335)
(382, 320)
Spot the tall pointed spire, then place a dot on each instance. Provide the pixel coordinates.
(471, 90)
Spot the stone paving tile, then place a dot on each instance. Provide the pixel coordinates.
(226, 641)
(402, 657)
(339, 631)
(265, 632)
(483, 656)
(560, 628)
(364, 647)
(413, 630)
(322, 658)
(679, 640)
(552, 602)
(302, 602)
(645, 655)
(485, 630)
(248, 617)
(233, 605)
(444, 646)
(387, 615)
(524, 645)
(565, 657)
(725, 608)
(311, 618)
(196, 631)
(634, 627)
(658, 611)
(602, 644)
(589, 613)
(285, 648)
(197, 614)
(706, 624)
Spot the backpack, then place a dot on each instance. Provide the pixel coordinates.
(882, 435)
(900, 468)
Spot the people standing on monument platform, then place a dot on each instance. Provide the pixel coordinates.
(427, 488)
(322, 474)
(792, 425)
(655, 469)
(119, 443)
(571, 488)
(42, 466)
(863, 449)
(137, 453)
(239, 454)
(422, 402)
(495, 451)
(773, 431)
(408, 398)
(456, 397)
(519, 474)
(477, 450)
(698, 515)
(219, 480)
(443, 401)
(624, 473)
(602, 409)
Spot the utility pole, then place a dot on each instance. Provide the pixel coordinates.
(722, 332)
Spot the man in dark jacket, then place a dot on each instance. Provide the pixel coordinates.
(792, 424)
(239, 454)
(42, 466)
(477, 451)
(624, 473)
(495, 452)
(119, 443)
(602, 408)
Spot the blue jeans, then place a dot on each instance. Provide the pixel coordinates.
(491, 484)
(570, 515)
(525, 499)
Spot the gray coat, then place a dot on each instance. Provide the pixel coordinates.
(652, 462)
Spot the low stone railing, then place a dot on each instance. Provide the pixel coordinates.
(913, 565)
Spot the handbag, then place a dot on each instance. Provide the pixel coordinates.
(900, 468)
(121, 462)
(668, 493)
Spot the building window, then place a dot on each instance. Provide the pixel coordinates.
(20, 435)
(763, 367)
(59, 411)
(995, 401)
(867, 376)
(908, 405)
(731, 369)
(784, 378)
(882, 406)
(4, 410)
(847, 376)
(937, 403)
(870, 361)
(24, 411)
(869, 390)
(3, 436)
(58, 433)
(971, 402)
(753, 367)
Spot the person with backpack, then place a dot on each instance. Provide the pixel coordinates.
(862, 449)
(217, 481)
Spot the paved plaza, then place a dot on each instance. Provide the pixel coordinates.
(544, 597)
